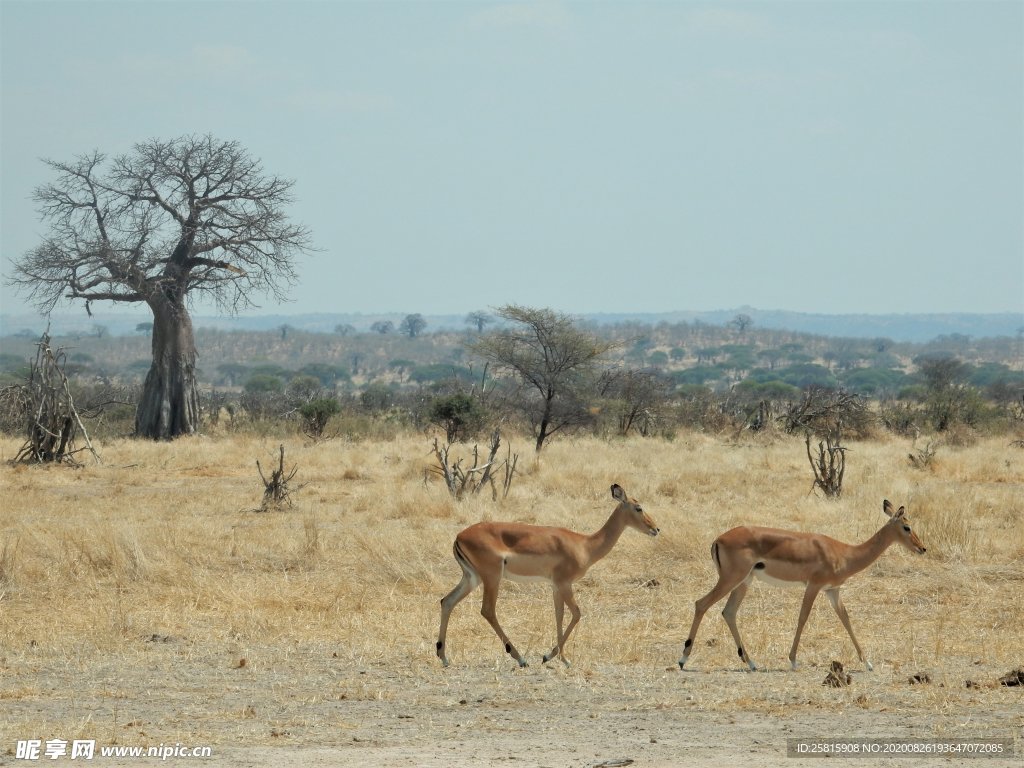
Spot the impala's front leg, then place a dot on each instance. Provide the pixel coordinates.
(563, 597)
(840, 609)
(805, 610)
(559, 616)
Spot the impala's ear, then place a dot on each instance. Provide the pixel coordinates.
(888, 508)
(902, 512)
(617, 493)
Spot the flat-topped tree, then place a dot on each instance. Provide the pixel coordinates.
(555, 360)
(162, 225)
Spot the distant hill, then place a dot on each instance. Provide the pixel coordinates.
(915, 328)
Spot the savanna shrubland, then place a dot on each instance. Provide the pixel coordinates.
(166, 525)
(160, 542)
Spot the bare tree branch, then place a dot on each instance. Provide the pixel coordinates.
(169, 217)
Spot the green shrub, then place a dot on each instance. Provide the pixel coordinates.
(458, 415)
(303, 387)
(377, 397)
(264, 382)
(316, 413)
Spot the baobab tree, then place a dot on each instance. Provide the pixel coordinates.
(742, 323)
(413, 325)
(480, 319)
(161, 225)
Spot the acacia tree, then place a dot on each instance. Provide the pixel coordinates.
(949, 399)
(553, 357)
(167, 222)
(641, 398)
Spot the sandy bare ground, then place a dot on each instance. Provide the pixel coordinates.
(307, 707)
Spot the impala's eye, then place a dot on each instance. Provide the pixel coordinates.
(906, 528)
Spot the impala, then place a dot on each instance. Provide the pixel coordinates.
(789, 558)
(489, 552)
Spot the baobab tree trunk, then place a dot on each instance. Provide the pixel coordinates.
(169, 405)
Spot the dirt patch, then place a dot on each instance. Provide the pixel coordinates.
(306, 707)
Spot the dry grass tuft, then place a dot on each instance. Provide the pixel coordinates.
(8, 565)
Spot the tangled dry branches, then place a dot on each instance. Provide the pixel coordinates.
(52, 423)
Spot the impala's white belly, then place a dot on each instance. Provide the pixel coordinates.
(520, 579)
(760, 574)
(526, 568)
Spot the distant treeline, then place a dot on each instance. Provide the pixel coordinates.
(915, 328)
(657, 378)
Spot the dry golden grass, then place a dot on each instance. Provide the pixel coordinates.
(143, 602)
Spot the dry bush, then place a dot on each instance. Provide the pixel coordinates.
(922, 458)
(960, 436)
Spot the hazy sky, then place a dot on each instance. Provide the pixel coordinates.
(585, 156)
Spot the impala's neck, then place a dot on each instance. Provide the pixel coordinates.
(600, 544)
(864, 554)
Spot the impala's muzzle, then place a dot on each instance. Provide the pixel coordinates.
(917, 544)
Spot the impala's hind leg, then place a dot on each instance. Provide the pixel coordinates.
(726, 584)
(488, 612)
(470, 581)
(732, 607)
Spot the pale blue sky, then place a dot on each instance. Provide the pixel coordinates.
(590, 157)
